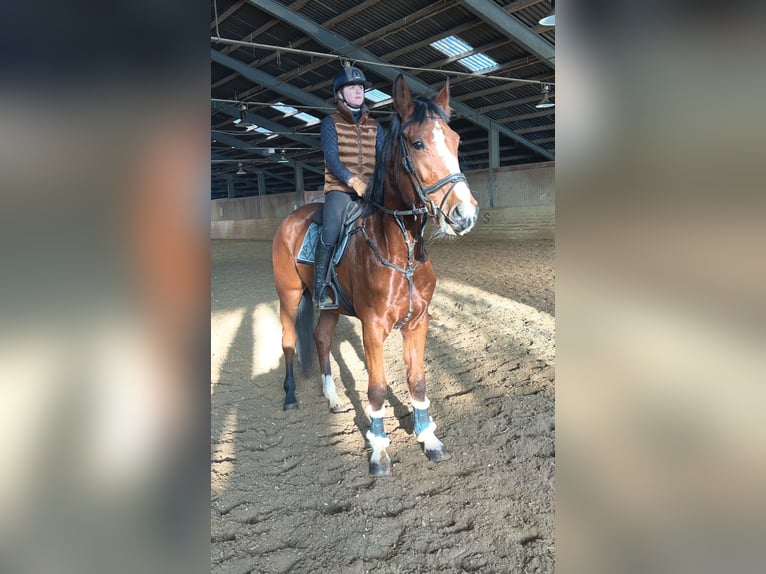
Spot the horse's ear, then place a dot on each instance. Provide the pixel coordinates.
(442, 98)
(403, 98)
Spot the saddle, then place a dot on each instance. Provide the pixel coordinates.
(307, 252)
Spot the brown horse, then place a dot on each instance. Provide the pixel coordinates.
(385, 274)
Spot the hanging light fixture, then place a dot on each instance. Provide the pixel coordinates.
(283, 158)
(550, 18)
(546, 101)
(241, 170)
(242, 107)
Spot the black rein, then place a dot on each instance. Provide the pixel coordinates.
(423, 193)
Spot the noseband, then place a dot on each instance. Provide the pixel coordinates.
(424, 191)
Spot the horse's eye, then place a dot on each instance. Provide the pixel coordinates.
(418, 144)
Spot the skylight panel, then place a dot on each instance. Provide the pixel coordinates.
(477, 62)
(308, 118)
(452, 46)
(290, 111)
(285, 109)
(376, 96)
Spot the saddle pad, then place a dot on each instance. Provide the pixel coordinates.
(308, 248)
(307, 252)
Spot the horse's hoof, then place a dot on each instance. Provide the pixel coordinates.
(381, 469)
(438, 455)
(337, 409)
(291, 406)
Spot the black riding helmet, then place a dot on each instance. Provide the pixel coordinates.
(349, 75)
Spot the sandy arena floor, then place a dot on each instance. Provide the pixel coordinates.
(291, 491)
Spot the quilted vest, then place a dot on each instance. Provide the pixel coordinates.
(356, 147)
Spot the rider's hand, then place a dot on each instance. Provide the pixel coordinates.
(358, 185)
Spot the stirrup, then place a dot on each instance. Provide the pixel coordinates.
(332, 305)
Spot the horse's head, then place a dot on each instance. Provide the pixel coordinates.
(428, 149)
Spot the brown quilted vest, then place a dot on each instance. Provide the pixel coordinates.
(356, 147)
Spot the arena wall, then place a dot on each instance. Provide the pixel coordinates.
(522, 206)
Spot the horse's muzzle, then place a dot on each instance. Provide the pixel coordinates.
(463, 217)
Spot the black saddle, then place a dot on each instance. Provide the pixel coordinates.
(352, 212)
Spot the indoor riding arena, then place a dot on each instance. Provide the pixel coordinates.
(291, 490)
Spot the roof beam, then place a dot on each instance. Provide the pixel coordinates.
(267, 80)
(294, 6)
(344, 46)
(403, 23)
(537, 129)
(239, 144)
(511, 104)
(268, 124)
(533, 115)
(512, 27)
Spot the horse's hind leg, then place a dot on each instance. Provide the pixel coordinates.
(414, 341)
(323, 337)
(288, 313)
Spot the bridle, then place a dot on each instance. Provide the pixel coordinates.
(428, 208)
(421, 189)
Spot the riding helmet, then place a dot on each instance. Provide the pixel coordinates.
(349, 75)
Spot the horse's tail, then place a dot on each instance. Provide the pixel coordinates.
(304, 327)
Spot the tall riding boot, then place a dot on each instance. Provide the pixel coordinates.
(321, 263)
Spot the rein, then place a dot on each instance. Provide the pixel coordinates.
(412, 265)
(428, 208)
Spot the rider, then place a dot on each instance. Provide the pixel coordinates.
(351, 140)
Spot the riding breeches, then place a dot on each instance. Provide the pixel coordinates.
(335, 203)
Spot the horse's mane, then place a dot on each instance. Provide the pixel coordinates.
(373, 198)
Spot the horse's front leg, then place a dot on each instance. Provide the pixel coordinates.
(414, 340)
(323, 338)
(374, 335)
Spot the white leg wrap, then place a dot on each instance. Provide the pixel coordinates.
(421, 405)
(379, 445)
(376, 414)
(329, 390)
(428, 438)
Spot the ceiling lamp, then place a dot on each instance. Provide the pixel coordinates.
(241, 170)
(546, 101)
(283, 158)
(550, 18)
(242, 107)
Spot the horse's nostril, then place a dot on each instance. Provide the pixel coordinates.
(463, 218)
(463, 214)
